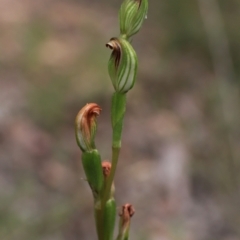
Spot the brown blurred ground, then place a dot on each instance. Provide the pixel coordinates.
(179, 164)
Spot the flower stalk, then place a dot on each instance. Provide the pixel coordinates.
(122, 69)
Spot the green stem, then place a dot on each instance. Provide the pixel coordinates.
(118, 111)
(107, 194)
(117, 115)
(115, 154)
(98, 221)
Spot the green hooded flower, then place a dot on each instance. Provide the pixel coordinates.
(122, 65)
(85, 126)
(131, 16)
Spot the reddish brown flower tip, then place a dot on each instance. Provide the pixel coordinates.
(115, 45)
(106, 166)
(85, 126)
(127, 210)
(126, 213)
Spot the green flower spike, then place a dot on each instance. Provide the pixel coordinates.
(122, 65)
(126, 213)
(131, 16)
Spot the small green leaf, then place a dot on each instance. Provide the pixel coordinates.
(93, 169)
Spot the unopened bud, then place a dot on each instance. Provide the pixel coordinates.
(106, 168)
(125, 214)
(86, 126)
(131, 16)
(122, 65)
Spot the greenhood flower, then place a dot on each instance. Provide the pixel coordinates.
(131, 16)
(86, 126)
(122, 65)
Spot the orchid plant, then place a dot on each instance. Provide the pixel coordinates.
(122, 68)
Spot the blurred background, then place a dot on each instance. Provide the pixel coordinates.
(180, 158)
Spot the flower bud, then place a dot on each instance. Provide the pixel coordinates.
(106, 168)
(86, 126)
(131, 16)
(122, 65)
(126, 213)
